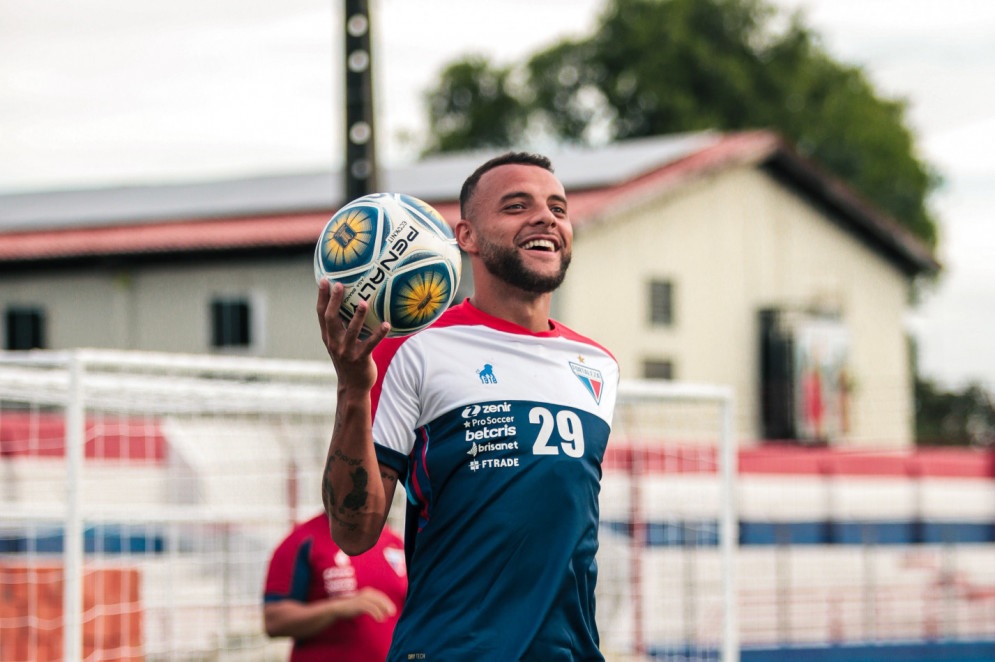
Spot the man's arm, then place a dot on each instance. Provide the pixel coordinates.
(355, 490)
(300, 620)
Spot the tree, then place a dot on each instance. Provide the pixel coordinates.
(473, 107)
(951, 418)
(654, 67)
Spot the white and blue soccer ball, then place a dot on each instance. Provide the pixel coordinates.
(395, 252)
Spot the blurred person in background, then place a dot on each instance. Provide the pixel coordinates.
(334, 606)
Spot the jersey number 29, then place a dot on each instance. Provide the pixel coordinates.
(567, 427)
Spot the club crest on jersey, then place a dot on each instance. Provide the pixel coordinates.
(590, 378)
(486, 374)
(395, 557)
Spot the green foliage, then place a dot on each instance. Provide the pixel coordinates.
(655, 67)
(950, 418)
(473, 107)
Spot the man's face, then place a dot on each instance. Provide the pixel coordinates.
(523, 234)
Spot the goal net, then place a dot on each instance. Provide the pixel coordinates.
(666, 581)
(142, 494)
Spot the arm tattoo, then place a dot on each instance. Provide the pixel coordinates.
(342, 457)
(355, 499)
(328, 498)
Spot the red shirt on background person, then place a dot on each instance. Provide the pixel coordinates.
(334, 606)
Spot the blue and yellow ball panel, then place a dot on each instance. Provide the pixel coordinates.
(418, 293)
(351, 240)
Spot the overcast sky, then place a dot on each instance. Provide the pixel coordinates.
(99, 92)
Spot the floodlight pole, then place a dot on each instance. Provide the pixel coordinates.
(360, 169)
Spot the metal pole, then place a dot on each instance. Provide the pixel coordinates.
(72, 552)
(730, 533)
(360, 145)
(637, 540)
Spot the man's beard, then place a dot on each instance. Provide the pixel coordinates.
(507, 264)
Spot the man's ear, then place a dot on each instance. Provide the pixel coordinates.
(466, 236)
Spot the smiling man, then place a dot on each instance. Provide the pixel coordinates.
(496, 420)
(492, 203)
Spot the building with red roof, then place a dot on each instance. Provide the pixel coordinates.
(703, 257)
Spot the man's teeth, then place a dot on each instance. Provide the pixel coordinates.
(543, 244)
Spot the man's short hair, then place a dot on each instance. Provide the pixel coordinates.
(508, 158)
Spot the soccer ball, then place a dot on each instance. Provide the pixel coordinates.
(395, 252)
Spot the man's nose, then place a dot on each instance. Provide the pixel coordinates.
(545, 215)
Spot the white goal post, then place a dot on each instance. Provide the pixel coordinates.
(142, 493)
(669, 487)
(146, 491)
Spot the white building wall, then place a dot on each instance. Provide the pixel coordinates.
(167, 308)
(732, 245)
(816, 264)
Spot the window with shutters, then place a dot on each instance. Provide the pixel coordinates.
(658, 369)
(24, 328)
(231, 323)
(661, 304)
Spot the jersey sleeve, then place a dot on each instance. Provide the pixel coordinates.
(396, 404)
(289, 572)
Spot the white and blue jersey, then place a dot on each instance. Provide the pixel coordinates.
(499, 434)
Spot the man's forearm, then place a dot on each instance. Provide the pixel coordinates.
(352, 489)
